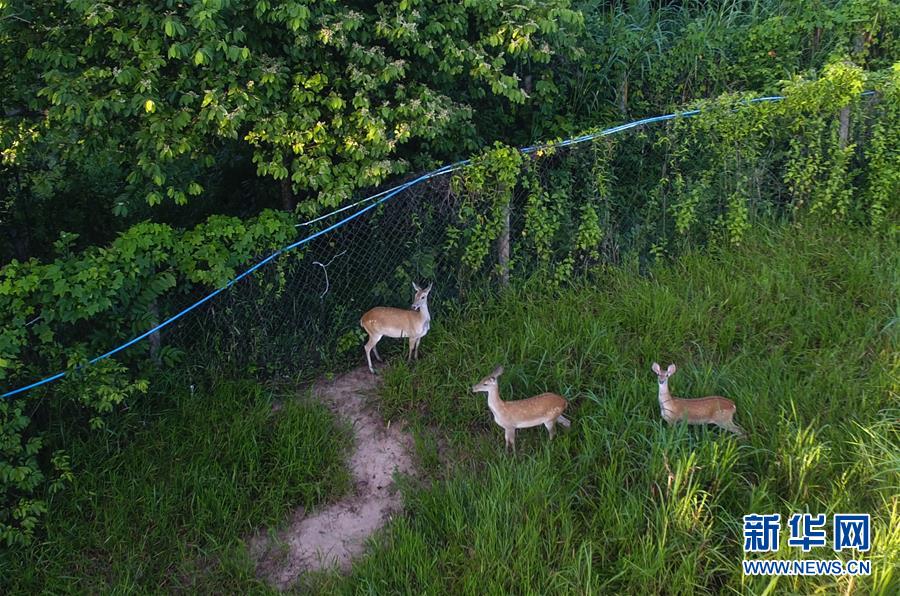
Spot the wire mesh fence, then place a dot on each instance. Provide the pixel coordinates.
(301, 314)
(299, 311)
(303, 311)
(566, 209)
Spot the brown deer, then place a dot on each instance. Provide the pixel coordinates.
(384, 321)
(546, 409)
(705, 410)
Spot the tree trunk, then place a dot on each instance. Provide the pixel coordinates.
(288, 198)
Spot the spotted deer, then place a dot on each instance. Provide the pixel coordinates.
(546, 409)
(384, 321)
(704, 410)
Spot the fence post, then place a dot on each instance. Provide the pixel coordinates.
(844, 132)
(503, 245)
(859, 44)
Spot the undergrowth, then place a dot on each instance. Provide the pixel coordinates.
(164, 500)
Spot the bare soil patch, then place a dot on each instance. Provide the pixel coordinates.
(332, 536)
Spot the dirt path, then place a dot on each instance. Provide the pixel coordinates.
(334, 535)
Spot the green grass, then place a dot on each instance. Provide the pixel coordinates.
(798, 327)
(162, 502)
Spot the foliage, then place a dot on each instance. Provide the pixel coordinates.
(562, 226)
(487, 187)
(19, 475)
(817, 174)
(56, 315)
(649, 56)
(145, 101)
(722, 166)
(883, 153)
(817, 154)
(107, 106)
(621, 503)
(323, 93)
(722, 169)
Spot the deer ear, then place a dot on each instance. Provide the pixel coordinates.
(497, 371)
(428, 289)
(416, 286)
(655, 368)
(671, 370)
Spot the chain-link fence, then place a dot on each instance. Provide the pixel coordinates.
(301, 313)
(631, 192)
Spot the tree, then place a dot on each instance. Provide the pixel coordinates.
(327, 96)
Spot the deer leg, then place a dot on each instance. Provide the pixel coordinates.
(370, 345)
(377, 355)
(737, 430)
(418, 339)
(412, 345)
(511, 439)
(729, 425)
(551, 427)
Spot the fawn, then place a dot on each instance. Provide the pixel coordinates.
(546, 409)
(705, 410)
(397, 322)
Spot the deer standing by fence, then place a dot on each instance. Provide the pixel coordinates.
(705, 410)
(384, 321)
(546, 409)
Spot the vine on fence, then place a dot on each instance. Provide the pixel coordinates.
(719, 163)
(818, 167)
(715, 195)
(883, 152)
(562, 223)
(486, 188)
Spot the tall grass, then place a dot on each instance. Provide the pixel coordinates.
(164, 503)
(797, 326)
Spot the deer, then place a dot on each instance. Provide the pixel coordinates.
(704, 410)
(384, 321)
(546, 409)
